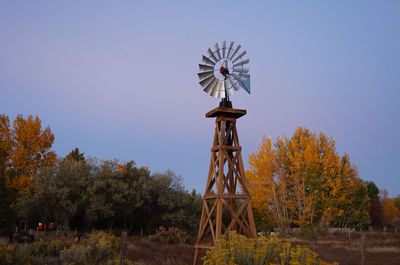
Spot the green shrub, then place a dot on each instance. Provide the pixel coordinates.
(172, 236)
(48, 248)
(240, 250)
(99, 248)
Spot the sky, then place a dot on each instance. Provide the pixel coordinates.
(118, 79)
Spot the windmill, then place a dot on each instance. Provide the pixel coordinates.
(226, 201)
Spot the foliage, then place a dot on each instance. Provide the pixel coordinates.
(5, 152)
(85, 193)
(118, 191)
(48, 248)
(375, 206)
(6, 144)
(99, 248)
(5, 211)
(56, 193)
(389, 209)
(302, 181)
(170, 205)
(30, 151)
(241, 250)
(396, 202)
(172, 235)
(75, 155)
(9, 255)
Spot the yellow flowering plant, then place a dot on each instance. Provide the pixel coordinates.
(264, 250)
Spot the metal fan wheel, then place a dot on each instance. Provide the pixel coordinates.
(223, 70)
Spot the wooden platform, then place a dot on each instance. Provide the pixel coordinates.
(227, 112)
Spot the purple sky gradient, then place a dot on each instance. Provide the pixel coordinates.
(118, 79)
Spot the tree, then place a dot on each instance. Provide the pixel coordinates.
(6, 144)
(5, 150)
(302, 181)
(389, 209)
(396, 202)
(58, 193)
(30, 151)
(117, 193)
(375, 205)
(75, 155)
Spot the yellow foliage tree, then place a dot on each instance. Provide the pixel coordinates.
(390, 211)
(25, 148)
(5, 144)
(302, 181)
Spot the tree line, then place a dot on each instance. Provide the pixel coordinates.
(297, 182)
(84, 193)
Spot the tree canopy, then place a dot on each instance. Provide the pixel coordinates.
(301, 181)
(24, 149)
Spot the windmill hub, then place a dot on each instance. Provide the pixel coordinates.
(224, 71)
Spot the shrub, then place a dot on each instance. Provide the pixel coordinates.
(99, 248)
(240, 250)
(48, 248)
(172, 236)
(9, 255)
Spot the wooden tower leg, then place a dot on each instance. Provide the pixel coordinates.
(222, 195)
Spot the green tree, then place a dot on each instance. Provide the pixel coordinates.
(57, 193)
(117, 193)
(75, 155)
(396, 202)
(375, 207)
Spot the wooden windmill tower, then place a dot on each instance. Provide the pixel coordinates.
(226, 200)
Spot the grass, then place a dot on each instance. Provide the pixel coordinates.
(379, 249)
(153, 253)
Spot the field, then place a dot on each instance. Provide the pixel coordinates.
(380, 249)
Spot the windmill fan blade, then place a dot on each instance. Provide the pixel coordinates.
(223, 48)
(242, 63)
(241, 70)
(228, 88)
(221, 93)
(240, 56)
(212, 55)
(210, 85)
(217, 50)
(234, 83)
(234, 53)
(230, 49)
(238, 77)
(206, 60)
(215, 90)
(203, 67)
(205, 74)
(246, 84)
(207, 81)
(231, 74)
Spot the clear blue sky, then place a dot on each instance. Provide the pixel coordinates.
(118, 78)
